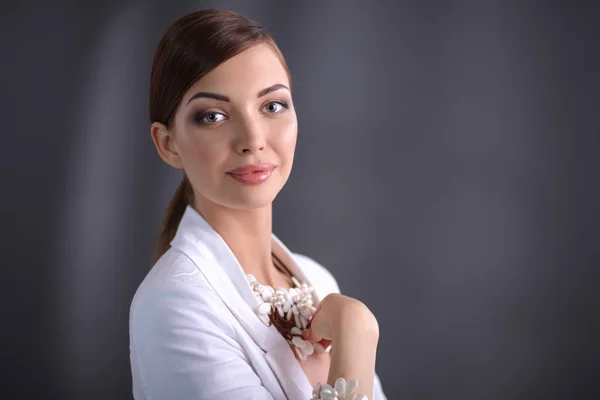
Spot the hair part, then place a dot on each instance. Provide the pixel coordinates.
(192, 46)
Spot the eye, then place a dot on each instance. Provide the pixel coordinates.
(209, 117)
(274, 107)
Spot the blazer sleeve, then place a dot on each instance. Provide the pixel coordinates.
(183, 346)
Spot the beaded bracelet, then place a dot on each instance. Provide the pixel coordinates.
(342, 390)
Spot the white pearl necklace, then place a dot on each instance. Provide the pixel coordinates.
(290, 311)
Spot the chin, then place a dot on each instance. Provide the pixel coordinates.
(258, 197)
(248, 204)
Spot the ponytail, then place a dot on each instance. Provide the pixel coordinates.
(184, 195)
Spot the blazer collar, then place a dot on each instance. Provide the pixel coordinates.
(215, 260)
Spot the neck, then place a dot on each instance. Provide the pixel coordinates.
(248, 233)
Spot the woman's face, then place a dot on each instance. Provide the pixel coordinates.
(238, 115)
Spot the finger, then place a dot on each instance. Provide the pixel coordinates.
(315, 331)
(310, 333)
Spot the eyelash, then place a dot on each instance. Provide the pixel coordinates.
(198, 118)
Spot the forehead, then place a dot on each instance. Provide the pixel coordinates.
(244, 74)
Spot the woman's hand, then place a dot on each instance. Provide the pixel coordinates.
(352, 330)
(338, 314)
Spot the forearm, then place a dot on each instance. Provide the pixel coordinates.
(353, 354)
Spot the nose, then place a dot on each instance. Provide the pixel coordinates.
(251, 137)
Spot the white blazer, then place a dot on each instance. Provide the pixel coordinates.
(193, 332)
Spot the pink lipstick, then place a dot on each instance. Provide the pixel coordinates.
(252, 174)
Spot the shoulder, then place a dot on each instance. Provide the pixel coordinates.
(174, 291)
(182, 340)
(321, 278)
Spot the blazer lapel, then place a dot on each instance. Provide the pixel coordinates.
(215, 260)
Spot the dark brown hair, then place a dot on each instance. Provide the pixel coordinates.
(193, 46)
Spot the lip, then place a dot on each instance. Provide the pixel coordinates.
(252, 169)
(252, 174)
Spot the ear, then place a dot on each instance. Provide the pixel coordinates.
(165, 145)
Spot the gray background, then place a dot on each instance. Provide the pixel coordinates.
(446, 173)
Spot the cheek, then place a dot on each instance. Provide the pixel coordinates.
(287, 136)
(201, 155)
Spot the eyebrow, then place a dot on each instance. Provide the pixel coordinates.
(220, 97)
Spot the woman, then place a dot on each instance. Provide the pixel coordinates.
(206, 322)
